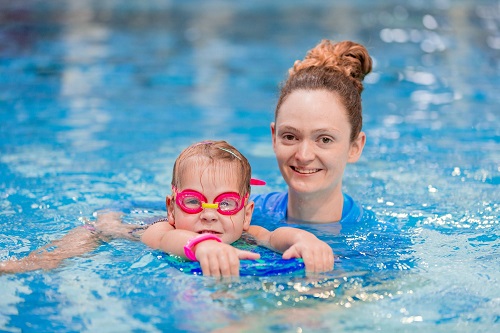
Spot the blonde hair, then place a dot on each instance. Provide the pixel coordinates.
(336, 67)
(213, 153)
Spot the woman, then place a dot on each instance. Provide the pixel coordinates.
(316, 132)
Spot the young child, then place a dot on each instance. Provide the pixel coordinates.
(208, 210)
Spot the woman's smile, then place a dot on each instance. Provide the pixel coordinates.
(304, 171)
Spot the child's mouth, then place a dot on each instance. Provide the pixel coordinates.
(209, 232)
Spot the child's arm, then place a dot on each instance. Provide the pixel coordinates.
(109, 225)
(216, 258)
(296, 243)
(76, 242)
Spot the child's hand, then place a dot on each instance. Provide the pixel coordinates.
(317, 255)
(220, 259)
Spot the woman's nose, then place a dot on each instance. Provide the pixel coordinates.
(305, 151)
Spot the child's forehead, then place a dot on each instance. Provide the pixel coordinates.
(205, 171)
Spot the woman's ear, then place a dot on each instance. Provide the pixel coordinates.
(248, 214)
(356, 148)
(170, 210)
(273, 134)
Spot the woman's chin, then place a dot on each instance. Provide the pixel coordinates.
(302, 187)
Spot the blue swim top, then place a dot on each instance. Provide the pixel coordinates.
(274, 205)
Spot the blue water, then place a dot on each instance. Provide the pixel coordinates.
(97, 98)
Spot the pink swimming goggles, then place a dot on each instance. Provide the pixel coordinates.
(193, 202)
(228, 203)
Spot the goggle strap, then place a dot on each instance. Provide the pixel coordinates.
(255, 181)
(230, 152)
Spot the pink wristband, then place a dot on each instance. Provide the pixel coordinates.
(188, 248)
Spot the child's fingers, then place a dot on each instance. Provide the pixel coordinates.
(224, 267)
(204, 264)
(222, 262)
(316, 259)
(323, 260)
(234, 265)
(329, 262)
(212, 267)
(242, 255)
(310, 262)
(290, 253)
(221, 265)
(229, 265)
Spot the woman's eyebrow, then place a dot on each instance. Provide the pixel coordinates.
(287, 128)
(325, 130)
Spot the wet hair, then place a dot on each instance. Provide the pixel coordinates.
(213, 153)
(336, 67)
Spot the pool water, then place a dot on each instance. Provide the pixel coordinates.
(97, 98)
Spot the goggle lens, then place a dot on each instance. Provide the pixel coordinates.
(229, 204)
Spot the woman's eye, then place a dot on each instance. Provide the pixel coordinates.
(326, 140)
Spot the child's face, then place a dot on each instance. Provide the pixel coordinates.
(211, 181)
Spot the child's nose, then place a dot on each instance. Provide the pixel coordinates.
(209, 214)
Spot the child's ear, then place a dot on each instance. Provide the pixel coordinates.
(170, 210)
(248, 214)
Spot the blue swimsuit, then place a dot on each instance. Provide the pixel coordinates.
(274, 205)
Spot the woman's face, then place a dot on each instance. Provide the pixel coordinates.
(311, 140)
(211, 181)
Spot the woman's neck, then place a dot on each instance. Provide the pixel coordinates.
(316, 207)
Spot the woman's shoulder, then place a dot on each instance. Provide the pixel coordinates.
(270, 199)
(270, 204)
(275, 204)
(351, 210)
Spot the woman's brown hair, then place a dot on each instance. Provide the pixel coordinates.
(336, 67)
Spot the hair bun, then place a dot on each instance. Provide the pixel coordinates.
(350, 58)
